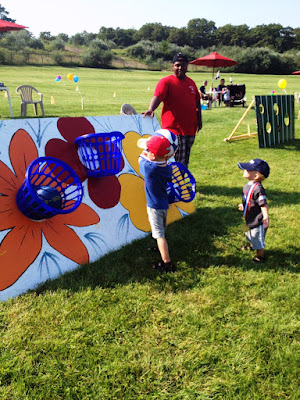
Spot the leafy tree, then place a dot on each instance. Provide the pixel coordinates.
(124, 37)
(297, 38)
(273, 36)
(77, 39)
(18, 40)
(46, 36)
(36, 44)
(121, 37)
(106, 33)
(200, 33)
(153, 31)
(82, 39)
(178, 36)
(4, 15)
(232, 35)
(63, 36)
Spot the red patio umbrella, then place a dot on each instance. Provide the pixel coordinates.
(296, 73)
(10, 26)
(214, 59)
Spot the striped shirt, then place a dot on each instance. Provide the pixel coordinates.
(254, 215)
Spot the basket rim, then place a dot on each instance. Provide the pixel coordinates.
(36, 197)
(99, 134)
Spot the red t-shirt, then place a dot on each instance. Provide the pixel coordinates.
(179, 97)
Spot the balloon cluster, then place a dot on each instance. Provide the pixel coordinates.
(70, 77)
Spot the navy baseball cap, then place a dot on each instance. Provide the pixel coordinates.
(256, 165)
(179, 57)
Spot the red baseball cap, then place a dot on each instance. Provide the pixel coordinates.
(158, 145)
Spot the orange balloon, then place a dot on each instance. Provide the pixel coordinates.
(70, 77)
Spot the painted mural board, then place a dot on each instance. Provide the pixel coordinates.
(111, 215)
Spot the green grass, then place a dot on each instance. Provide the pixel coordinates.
(219, 328)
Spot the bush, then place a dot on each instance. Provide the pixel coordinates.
(37, 44)
(58, 57)
(25, 55)
(154, 64)
(96, 58)
(58, 44)
(2, 57)
(263, 61)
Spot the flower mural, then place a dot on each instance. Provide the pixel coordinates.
(133, 197)
(103, 191)
(23, 241)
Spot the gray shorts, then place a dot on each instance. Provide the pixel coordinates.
(257, 237)
(158, 220)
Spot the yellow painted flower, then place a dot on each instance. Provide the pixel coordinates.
(133, 196)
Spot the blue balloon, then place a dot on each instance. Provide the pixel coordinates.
(57, 80)
(75, 79)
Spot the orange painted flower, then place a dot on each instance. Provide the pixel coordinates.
(132, 189)
(23, 243)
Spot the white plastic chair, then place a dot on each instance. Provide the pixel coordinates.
(128, 109)
(26, 93)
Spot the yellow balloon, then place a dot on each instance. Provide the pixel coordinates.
(70, 77)
(282, 83)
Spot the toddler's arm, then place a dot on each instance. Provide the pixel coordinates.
(265, 213)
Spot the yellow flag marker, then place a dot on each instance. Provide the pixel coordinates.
(52, 100)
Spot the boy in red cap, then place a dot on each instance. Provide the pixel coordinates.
(255, 205)
(157, 173)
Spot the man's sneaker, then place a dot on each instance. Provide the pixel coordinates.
(164, 267)
(169, 267)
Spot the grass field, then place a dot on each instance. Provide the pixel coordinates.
(219, 328)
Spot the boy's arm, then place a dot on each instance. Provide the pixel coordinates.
(265, 214)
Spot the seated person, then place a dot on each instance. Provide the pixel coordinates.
(203, 94)
(225, 95)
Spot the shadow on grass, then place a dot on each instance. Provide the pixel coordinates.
(293, 145)
(199, 241)
(274, 196)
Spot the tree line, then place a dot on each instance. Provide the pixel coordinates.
(268, 48)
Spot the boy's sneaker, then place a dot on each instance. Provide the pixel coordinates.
(164, 267)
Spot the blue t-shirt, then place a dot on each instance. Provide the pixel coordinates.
(156, 176)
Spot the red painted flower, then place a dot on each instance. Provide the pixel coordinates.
(103, 191)
(23, 243)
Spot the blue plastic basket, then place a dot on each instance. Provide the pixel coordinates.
(183, 184)
(49, 172)
(101, 153)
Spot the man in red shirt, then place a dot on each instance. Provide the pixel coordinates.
(181, 111)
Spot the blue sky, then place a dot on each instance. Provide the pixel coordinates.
(70, 17)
